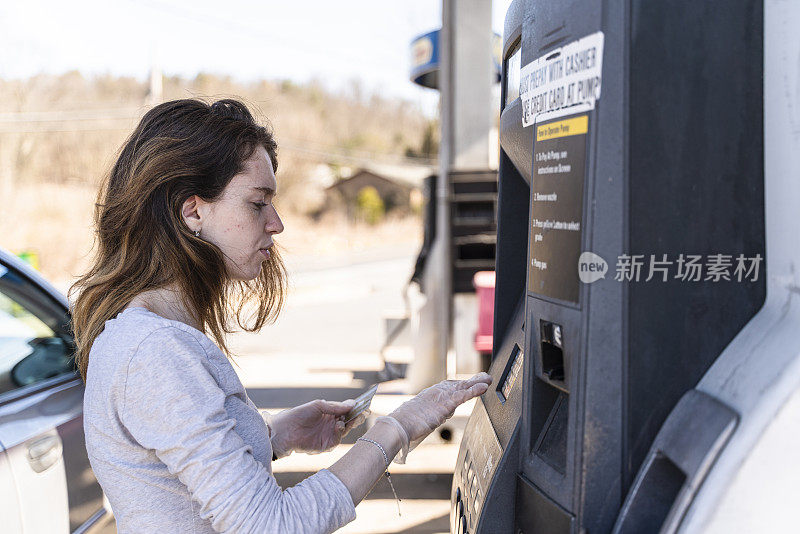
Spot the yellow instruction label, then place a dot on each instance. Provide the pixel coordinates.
(565, 128)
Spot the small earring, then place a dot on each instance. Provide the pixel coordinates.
(197, 233)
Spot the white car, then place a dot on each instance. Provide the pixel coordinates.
(46, 483)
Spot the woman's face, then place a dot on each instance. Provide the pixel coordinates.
(242, 221)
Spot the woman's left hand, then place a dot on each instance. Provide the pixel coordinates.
(313, 427)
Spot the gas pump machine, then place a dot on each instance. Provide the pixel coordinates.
(646, 274)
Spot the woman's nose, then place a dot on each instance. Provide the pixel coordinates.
(274, 225)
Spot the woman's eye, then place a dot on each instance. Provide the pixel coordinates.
(259, 205)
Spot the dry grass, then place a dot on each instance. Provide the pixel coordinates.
(51, 159)
(55, 220)
(68, 128)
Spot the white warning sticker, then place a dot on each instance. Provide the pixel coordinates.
(565, 81)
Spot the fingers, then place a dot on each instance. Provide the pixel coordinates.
(357, 421)
(467, 392)
(478, 389)
(475, 385)
(480, 378)
(336, 408)
(475, 391)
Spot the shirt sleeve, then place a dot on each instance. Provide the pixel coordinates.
(173, 405)
(277, 452)
(267, 417)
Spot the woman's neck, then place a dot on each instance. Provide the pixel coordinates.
(166, 302)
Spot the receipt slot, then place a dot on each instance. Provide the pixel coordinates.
(632, 265)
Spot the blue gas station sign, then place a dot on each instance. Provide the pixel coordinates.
(425, 58)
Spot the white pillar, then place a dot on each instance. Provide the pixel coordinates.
(465, 88)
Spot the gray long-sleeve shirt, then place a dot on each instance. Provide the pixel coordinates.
(178, 446)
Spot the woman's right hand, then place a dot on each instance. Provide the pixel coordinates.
(421, 415)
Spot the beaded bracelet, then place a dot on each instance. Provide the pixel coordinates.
(388, 476)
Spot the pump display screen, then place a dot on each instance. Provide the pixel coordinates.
(559, 165)
(513, 65)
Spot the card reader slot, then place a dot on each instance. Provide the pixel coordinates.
(552, 353)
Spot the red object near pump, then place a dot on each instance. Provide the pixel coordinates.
(484, 289)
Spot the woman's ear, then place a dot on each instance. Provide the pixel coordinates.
(191, 213)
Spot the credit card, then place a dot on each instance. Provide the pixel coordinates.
(362, 403)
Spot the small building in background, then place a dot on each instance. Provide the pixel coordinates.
(399, 188)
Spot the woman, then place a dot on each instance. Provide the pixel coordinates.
(185, 246)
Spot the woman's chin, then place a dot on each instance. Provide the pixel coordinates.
(257, 272)
(239, 275)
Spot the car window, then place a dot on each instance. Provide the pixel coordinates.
(34, 342)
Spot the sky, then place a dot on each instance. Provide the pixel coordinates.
(334, 42)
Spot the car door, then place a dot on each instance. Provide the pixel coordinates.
(41, 410)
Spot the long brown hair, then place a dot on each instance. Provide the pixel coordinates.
(179, 149)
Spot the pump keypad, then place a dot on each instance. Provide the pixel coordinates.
(481, 456)
(467, 511)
